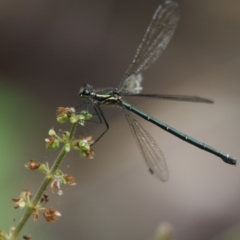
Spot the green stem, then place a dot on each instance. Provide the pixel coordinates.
(43, 187)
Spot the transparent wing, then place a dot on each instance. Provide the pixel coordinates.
(150, 150)
(156, 38)
(184, 98)
(132, 85)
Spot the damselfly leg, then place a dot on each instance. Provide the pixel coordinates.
(98, 113)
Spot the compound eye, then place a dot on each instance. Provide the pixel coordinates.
(86, 92)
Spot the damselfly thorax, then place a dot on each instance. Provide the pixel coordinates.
(109, 96)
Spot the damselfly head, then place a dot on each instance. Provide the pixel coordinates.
(86, 91)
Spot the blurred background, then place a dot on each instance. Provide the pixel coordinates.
(49, 49)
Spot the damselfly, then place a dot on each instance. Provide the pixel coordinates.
(156, 38)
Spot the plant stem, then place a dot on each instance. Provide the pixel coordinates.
(43, 187)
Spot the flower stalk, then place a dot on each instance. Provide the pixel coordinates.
(54, 176)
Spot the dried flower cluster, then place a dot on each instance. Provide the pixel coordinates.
(31, 165)
(23, 200)
(50, 214)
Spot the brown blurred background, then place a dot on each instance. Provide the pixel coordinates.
(48, 49)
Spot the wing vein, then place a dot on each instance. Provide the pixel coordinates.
(156, 38)
(149, 149)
